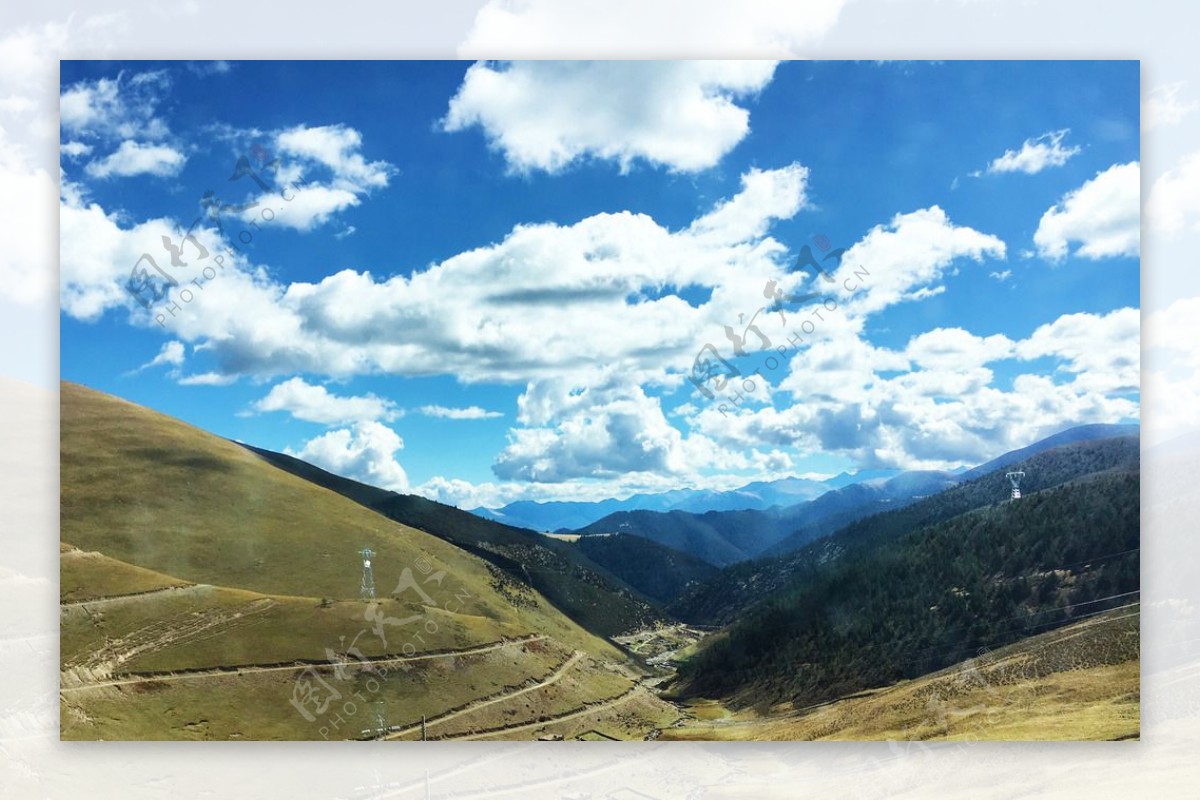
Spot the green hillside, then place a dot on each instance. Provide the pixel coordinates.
(724, 597)
(897, 605)
(657, 571)
(199, 581)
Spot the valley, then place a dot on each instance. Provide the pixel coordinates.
(210, 590)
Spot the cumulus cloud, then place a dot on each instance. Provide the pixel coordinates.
(97, 255)
(632, 28)
(125, 107)
(956, 349)
(547, 298)
(120, 112)
(620, 436)
(1174, 203)
(364, 452)
(137, 158)
(457, 413)
(935, 404)
(309, 207)
(1036, 154)
(1102, 216)
(338, 148)
(611, 429)
(327, 171)
(316, 404)
(907, 257)
(1102, 350)
(546, 115)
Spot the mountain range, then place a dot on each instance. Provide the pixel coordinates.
(202, 580)
(884, 486)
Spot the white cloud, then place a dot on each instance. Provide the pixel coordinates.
(115, 109)
(546, 299)
(316, 404)
(1036, 154)
(1174, 203)
(207, 380)
(956, 349)
(171, 353)
(467, 413)
(1001, 275)
(309, 207)
(76, 149)
(546, 115)
(633, 28)
(336, 147)
(907, 256)
(96, 257)
(1103, 216)
(342, 176)
(765, 196)
(620, 436)
(1102, 350)
(1163, 106)
(138, 158)
(611, 430)
(364, 453)
(934, 405)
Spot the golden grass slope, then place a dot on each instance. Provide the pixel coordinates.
(1080, 682)
(199, 583)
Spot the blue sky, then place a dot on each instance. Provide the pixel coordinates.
(491, 280)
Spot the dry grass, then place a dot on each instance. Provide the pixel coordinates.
(162, 504)
(1078, 683)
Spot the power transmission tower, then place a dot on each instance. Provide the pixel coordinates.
(367, 589)
(379, 710)
(1015, 477)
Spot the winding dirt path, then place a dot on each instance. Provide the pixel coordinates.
(591, 710)
(298, 666)
(553, 678)
(137, 596)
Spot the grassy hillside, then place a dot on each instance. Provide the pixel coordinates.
(723, 598)
(901, 606)
(655, 570)
(1079, 682)
(584, 590)
(198, 581)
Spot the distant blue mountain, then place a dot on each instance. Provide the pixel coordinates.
(1077, 434)
(760, 495)
(885, 485)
